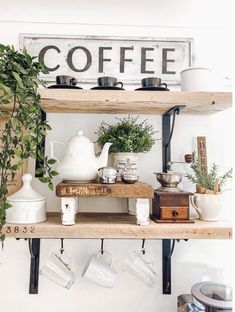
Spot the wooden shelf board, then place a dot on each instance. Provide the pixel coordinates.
(141, 102)
(117, 190)
(122, 226)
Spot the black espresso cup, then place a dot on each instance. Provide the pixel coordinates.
(152, 82)
(66, 80)
(109, 82)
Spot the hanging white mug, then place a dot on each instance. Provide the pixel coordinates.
(141, 266)
(58, 270)
(99, 270)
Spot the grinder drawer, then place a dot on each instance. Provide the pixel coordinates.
(174, 200)
(174, 213)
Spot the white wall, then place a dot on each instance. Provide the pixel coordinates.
(209, 23)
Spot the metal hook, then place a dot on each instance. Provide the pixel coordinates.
(102, 246)
(143, 249)
(61, 246)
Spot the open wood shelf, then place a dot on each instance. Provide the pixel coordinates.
(122, 226)
(140, 102)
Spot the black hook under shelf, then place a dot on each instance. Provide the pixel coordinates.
(143, 249)
(102, 246)
(61, 246)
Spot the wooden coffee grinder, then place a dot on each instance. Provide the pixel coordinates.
(170, 203)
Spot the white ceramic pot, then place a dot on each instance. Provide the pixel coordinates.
(123, 161)
(208, 206)
(197, 79)
(28, 206)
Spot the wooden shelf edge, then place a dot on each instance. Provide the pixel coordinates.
(117, 226)
(147, 102)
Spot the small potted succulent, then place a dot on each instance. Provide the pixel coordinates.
(209, 186)
(129, 138)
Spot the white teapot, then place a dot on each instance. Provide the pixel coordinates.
(79, 163)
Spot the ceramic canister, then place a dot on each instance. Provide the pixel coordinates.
(28, 206)
(197, 79)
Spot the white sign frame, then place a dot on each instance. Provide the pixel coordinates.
(31, 40)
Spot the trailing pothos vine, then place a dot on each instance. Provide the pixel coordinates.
(24, 129)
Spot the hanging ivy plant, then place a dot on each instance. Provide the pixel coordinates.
(24, 129)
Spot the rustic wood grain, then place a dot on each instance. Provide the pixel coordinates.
(145, 102)
(118, 190)
(89, 225)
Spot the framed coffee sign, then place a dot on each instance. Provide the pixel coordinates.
(128, 59)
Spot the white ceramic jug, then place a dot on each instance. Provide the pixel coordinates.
(208, 206)
(79, 163)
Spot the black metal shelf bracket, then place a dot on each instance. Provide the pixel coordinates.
(167, 133)
(34, 249)
(167, 249)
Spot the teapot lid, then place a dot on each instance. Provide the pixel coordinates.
(80, 138)
(26, 193)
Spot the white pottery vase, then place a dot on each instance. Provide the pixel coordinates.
(122, 161)
(208, 206)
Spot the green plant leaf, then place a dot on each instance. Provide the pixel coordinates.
(21, 68)
(39, 170)
(44, 179)
(54, 173)
(18, 79)
(14, 167)
(50, 185)
(5, 88)
(7, 205)
(2, 238)
(51, 161)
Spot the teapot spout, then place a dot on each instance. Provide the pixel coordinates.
(102, 160)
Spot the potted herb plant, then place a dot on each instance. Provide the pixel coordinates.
(209, 186)
(24, 128)
(129, 138)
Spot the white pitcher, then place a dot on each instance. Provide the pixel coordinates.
(208, 206)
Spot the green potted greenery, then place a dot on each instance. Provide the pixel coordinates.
(24, 129)
(207, 183)
(209, 186)
(128, 137)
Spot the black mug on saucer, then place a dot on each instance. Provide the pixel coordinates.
(109, 82)
(66, 80)
(152, 82)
